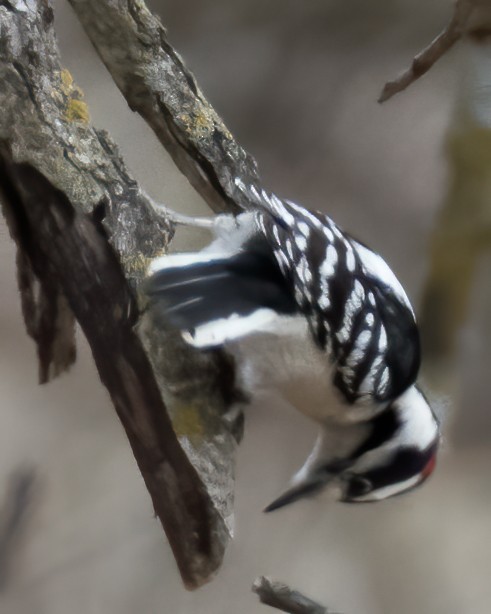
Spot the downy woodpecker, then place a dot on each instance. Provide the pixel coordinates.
(312, 312)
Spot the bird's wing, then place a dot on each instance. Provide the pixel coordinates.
(215, 298)
(357, 309)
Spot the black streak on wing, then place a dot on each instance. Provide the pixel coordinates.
(402, 354)
(403, 346)
(192, 295)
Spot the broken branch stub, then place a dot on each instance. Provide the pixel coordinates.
(280, 596)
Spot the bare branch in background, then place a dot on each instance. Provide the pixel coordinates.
(14, 515)
(435, 50)
(282, 597)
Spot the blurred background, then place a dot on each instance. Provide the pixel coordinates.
(297, 83)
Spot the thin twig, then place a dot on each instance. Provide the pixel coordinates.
(433, 52)
(14, 515)
(282, 597)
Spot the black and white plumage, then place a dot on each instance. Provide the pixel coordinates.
(345, 336)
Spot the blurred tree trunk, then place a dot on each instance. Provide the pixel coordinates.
(462, 232)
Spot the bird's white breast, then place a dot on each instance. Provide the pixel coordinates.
(286, 360)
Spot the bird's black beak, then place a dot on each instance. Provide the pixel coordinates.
(305, 489)
(316, 480)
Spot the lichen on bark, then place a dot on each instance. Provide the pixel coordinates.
(86, 231)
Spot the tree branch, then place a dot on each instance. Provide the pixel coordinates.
(152, 77)
(85, 234)
(282, 597)
(424, 60)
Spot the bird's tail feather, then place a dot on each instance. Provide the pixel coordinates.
(214, 298)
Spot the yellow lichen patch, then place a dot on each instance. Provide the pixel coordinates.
(136, 265)
(201, 123)
(77, 111)
(197, 125)
(187, 421)
(66, 81)
(223, 128)
(140, 5)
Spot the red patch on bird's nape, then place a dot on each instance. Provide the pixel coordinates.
(429, 467)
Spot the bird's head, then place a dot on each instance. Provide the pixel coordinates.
(394, 455)
(402, 471)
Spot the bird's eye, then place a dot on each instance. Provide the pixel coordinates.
(359, 486)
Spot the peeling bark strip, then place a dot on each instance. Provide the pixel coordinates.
(152, 77)
(46, 314)
(86, 232)
(68, 247)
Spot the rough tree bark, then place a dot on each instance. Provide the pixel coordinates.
(152, 77)
(85, 233)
